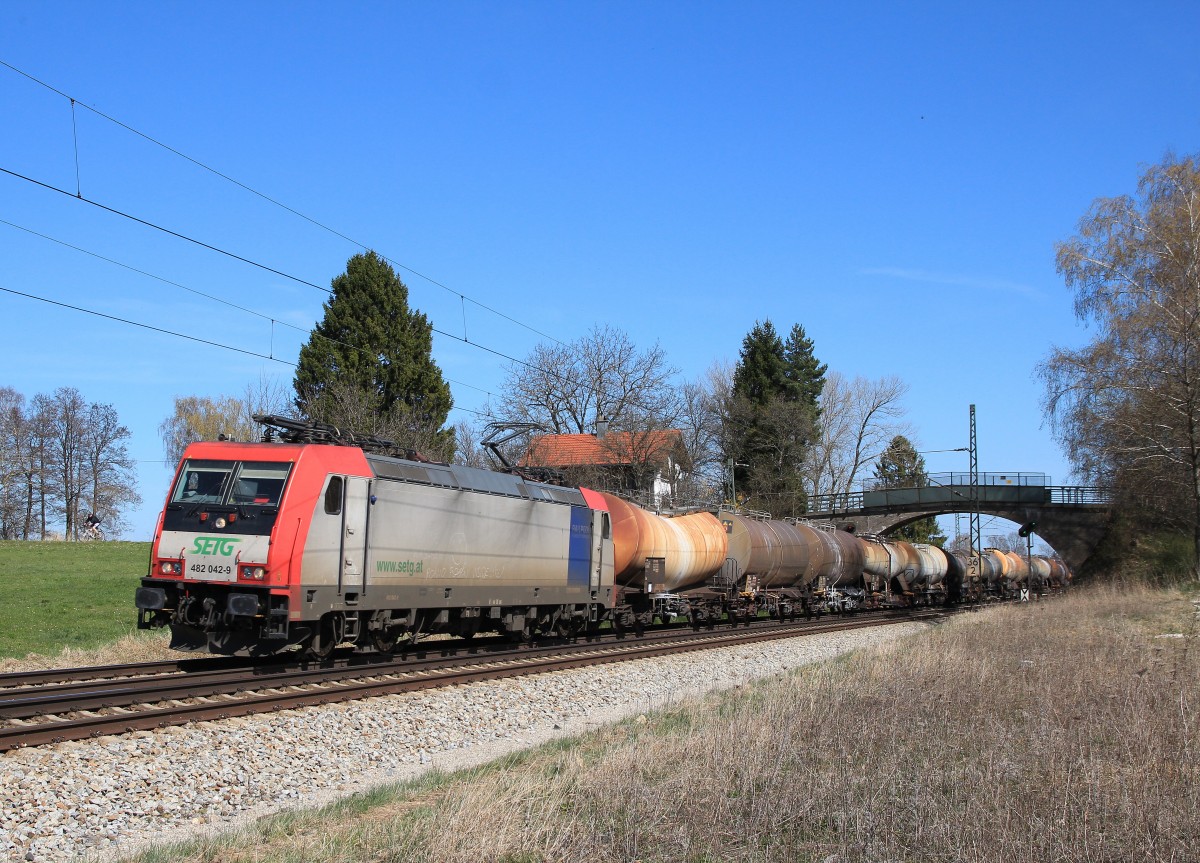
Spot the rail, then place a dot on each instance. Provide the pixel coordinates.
(34, 717)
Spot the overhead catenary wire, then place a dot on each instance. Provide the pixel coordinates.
(51, 187)
(553, 373)
(148, 275)
(267, 198)
(164, 331)
(145, 326)
(214, 298)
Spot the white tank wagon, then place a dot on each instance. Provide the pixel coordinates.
(935, 565)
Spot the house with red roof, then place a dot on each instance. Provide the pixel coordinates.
(644, 464)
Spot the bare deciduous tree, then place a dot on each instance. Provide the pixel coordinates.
(111, 485)
(14, 486)
(468, 450)
(68, 427)
(602, 376)
(566, 387)
(198, 418)
(702, 403)
(59, 458)
(344, 404)
(1127, 405)
(858, 418)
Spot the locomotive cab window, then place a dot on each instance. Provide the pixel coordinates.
(203, 481)
(260, 483)
(252, 483)
(333, 496)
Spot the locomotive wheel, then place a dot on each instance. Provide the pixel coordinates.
(327, 636)
(384, 640)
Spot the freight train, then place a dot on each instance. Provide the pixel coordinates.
(316, 540)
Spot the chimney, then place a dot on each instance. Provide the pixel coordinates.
(601, 427)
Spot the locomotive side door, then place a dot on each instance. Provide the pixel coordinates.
(355, 522)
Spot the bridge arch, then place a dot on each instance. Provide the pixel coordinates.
(1072, 520)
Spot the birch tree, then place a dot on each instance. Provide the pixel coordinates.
(1126, 406)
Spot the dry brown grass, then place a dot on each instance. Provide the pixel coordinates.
(138, 647)
(1065, 731)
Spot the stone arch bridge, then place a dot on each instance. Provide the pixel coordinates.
(1071, 519)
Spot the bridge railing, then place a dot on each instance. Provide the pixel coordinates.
(1080, 494)
(991, 477)
(835, 502)
(935, 495)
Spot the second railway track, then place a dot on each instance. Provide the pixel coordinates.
(36, 716)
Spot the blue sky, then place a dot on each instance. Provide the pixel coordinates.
(892, 177)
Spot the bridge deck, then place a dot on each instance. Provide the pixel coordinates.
(954, 498)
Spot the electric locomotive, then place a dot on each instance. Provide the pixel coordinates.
(316, 540)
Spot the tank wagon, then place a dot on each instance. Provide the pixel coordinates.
(316, 540)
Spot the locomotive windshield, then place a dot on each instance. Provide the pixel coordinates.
(251, 483)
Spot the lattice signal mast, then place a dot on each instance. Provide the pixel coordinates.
(976, 540)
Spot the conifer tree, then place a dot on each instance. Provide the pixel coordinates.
(805, 374)
(368, 365)
(761, 373)
(771, 417)
(901, 466)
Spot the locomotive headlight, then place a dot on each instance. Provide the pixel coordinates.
(220, 522)
(170, 567)
(253, 573)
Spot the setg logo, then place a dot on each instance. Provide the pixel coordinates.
(222, 545)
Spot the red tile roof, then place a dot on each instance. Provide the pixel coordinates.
(616, 448)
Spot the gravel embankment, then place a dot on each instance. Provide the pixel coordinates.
(113, 795)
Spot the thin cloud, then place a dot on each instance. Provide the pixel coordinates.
(980, 283)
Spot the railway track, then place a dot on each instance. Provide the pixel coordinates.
(146, 696)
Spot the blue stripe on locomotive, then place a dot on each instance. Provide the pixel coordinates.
(579, 547)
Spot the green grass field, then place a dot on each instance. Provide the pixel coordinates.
(59, 594)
